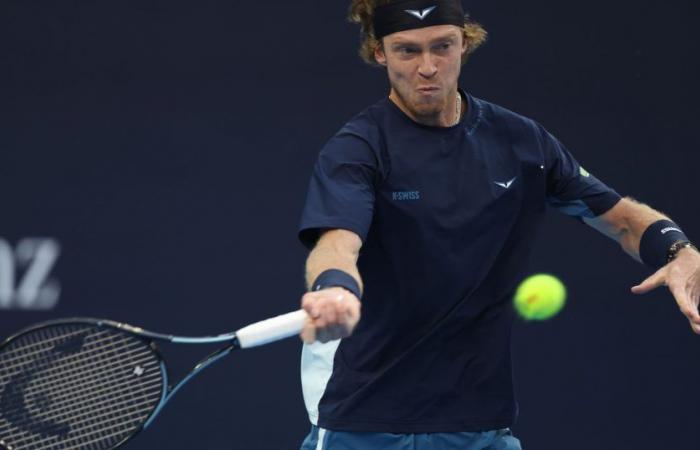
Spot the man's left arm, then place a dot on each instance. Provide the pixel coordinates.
(627, 222)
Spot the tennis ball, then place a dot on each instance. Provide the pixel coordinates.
(540, 297)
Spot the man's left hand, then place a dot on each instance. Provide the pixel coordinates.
(682, 276)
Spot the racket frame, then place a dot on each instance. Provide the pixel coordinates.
(149, 338)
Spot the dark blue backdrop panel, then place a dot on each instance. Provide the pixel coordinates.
(154, 157)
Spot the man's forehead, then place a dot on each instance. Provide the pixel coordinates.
(427, 34)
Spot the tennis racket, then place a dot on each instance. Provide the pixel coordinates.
(94, 384)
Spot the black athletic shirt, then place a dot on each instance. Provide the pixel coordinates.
(446, 216)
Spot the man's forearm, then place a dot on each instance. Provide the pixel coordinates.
(336, 249)
(333, 311)
(626, 223)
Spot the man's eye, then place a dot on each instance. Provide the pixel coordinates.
(407, 50)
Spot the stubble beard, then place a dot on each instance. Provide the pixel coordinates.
(424, 110)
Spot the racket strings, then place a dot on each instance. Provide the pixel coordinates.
(27, 346)
(65, 413)
(76, 387)
(92, 413)
(93, 417)
(79, 395)
(106, 424)
(70, 383)
(51, 377)
(37, 349)
(107, 419)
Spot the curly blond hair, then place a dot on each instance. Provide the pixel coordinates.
(361, 12)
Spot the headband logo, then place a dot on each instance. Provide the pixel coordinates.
(422, 14)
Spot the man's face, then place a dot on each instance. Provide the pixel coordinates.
(423, 67)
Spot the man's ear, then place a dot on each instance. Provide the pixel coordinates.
(379, 55)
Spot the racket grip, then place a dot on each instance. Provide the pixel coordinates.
(273, 329)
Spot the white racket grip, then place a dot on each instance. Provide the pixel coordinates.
(272, 329)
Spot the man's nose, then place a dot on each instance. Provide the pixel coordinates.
(427, 68)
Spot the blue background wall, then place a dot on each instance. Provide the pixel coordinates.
(166, 147)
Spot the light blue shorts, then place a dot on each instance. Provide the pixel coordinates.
(322, 439)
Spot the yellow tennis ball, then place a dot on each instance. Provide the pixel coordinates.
(540, 297)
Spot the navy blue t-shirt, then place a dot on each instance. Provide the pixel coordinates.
(446, 216)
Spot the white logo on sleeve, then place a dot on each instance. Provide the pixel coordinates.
(505, 184)
(422, 14)
(668, 229)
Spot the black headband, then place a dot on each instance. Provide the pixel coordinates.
(402, 15)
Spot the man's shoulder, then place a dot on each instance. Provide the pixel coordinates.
(501, 117)
(367, 123)
(361, 132)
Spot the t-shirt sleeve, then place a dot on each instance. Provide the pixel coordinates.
(341, 191)
(570, 188)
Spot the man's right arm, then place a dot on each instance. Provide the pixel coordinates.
(333, 312)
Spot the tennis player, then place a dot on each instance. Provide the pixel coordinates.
(421, 209)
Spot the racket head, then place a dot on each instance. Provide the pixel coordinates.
(77, 384)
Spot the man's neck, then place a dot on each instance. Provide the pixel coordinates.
(448, 117)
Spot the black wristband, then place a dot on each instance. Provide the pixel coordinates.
(657, 240)
(337, 278)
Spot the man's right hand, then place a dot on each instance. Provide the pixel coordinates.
(333, 314)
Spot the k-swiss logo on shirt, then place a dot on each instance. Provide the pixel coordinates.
(405, 195)
(422, 14)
